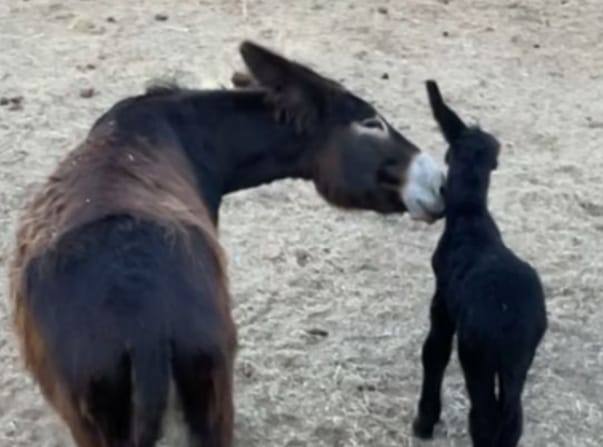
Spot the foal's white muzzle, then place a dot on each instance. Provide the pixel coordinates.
(422, 191)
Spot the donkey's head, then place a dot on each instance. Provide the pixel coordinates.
(472, 153)
(354, 156)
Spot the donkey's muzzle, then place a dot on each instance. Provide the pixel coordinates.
(423, 190)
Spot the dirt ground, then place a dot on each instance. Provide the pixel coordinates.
(532, 71)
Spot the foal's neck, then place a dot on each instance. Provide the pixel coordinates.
(466, 191)
(467, 202)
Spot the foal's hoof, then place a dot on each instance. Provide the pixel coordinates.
(422, 430)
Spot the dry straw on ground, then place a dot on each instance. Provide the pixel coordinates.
(531, 71)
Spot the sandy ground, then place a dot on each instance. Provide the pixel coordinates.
(532, 71)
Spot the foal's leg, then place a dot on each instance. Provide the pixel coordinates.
(484, 415)
(511, 429)
(511, 413)
(436, 355)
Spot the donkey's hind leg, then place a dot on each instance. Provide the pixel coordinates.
(82, 429)
(109, 404)
(71, 408)
(84, 433)
(204, 383)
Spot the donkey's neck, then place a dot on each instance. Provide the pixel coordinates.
(261, 150)
(242, 145)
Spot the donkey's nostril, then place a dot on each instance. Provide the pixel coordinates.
(442, 190)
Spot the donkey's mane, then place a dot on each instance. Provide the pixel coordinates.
(160, 87)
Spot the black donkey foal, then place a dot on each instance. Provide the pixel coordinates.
(484, 292)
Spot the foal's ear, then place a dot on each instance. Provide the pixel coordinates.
(451, 125)
(299, 94)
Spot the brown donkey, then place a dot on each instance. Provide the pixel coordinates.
(118, 280)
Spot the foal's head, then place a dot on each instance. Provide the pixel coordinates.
(471, 156)
(354, 156)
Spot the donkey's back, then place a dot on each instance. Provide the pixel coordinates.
(120, 290)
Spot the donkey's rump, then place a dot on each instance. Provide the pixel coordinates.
(116, 302)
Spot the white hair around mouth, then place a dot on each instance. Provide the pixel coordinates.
(422, 191)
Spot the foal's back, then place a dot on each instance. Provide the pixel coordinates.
(496, 298)
(480, 272)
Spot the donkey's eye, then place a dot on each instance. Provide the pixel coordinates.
(373, 123)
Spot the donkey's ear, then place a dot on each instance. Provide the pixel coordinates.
(299, 94)
(450, 123)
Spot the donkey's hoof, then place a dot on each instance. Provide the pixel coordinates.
(421, 430)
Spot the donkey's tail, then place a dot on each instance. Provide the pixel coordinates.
(150, 386)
